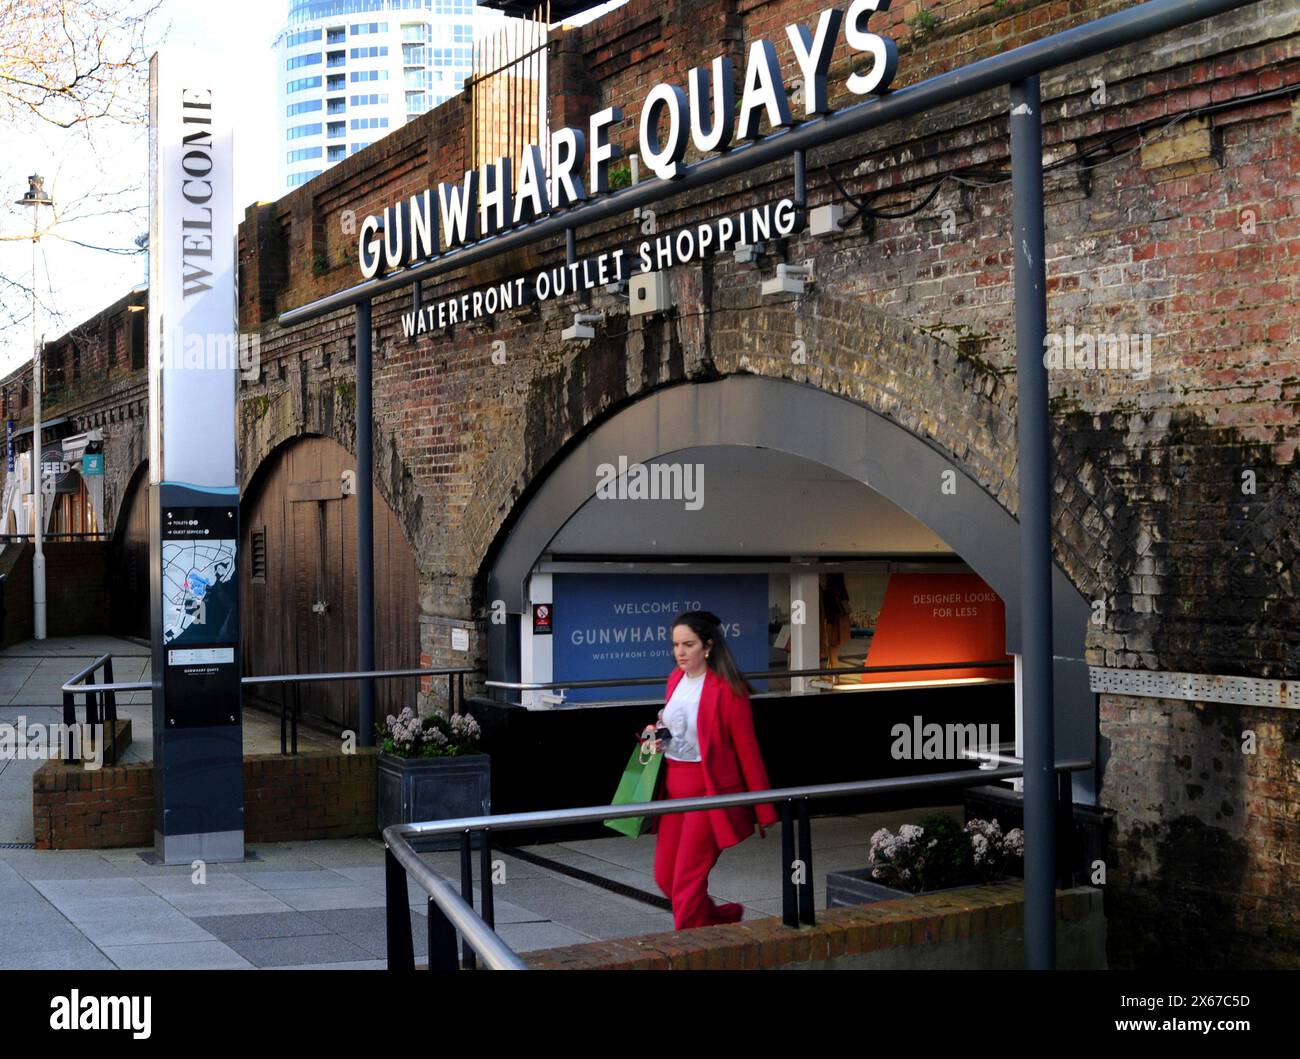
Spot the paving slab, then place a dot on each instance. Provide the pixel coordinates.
(526, 937)
(39, 865)
(605, 927)
(260, 925)
(299, 880)
(177, 956)
(220, 895)
(303, 949)
(333, 897)
(132, 921)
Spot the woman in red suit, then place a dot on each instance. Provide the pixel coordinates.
(712, 750)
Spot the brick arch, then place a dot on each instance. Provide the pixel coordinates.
(252, 473)
(828, 429)
(259, 445)
(957, 400)
(766, 412)
(957, 396)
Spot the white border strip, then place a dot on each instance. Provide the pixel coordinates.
(1194, 687)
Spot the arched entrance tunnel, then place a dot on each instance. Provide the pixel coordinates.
(785, 493)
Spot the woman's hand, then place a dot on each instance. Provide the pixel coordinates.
(648, 740)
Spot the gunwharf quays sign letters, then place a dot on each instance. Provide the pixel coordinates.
(492, 199)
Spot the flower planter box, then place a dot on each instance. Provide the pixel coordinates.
(845, 889)
(418, 790)
(1084, 845)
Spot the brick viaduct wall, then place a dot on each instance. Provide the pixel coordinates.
(95, 376)
(1178, 220)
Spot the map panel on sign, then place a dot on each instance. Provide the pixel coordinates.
(199, 601)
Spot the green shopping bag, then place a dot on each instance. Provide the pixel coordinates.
(637, 785)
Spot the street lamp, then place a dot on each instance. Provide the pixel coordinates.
(36, 197)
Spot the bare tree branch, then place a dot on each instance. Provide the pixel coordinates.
(69, 62)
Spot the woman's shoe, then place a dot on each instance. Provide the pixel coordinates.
(729, 912)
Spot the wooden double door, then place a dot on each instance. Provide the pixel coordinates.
(299, 581)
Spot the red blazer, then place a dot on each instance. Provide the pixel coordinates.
(730, 756)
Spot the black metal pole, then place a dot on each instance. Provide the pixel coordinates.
(110, 710)
(401, 948)
(1035, 525)
(468, 960)
(806, 912)
(442, 939)
(488, 909)
(365, 527)
(789, 897)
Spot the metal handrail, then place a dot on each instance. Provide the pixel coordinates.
(101, 702)
(599, 813)
(282, 678)
(96, 536)
(760, 674)
(451, 913)
(288, 722)
(444, 901)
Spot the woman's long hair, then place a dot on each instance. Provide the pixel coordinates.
(707, 627)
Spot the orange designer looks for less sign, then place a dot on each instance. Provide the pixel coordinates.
(929, 618)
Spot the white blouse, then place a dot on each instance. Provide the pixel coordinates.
(680, 716)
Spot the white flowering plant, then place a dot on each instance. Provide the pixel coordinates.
(899, 860)
(407, 734)
(939, 852)
(993, 850)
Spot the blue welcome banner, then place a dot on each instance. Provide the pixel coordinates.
(620, 625)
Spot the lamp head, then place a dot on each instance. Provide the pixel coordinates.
(35, 194)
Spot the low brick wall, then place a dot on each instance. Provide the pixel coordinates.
(287, 798)
(310, 795)
(977, 928)
(76, 583)
(76, 808)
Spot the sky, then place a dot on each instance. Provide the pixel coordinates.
(100, 183)
(80, 168)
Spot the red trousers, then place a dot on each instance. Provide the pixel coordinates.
(686, 852)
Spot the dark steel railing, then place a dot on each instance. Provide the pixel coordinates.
(288, 719)
(451, 914)
(101, 702)
(762, 674)
(9, 538)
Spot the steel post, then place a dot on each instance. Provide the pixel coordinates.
(401, 948)
(806, 911)
(1035, 524)
(365, 527)
(789, 896)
